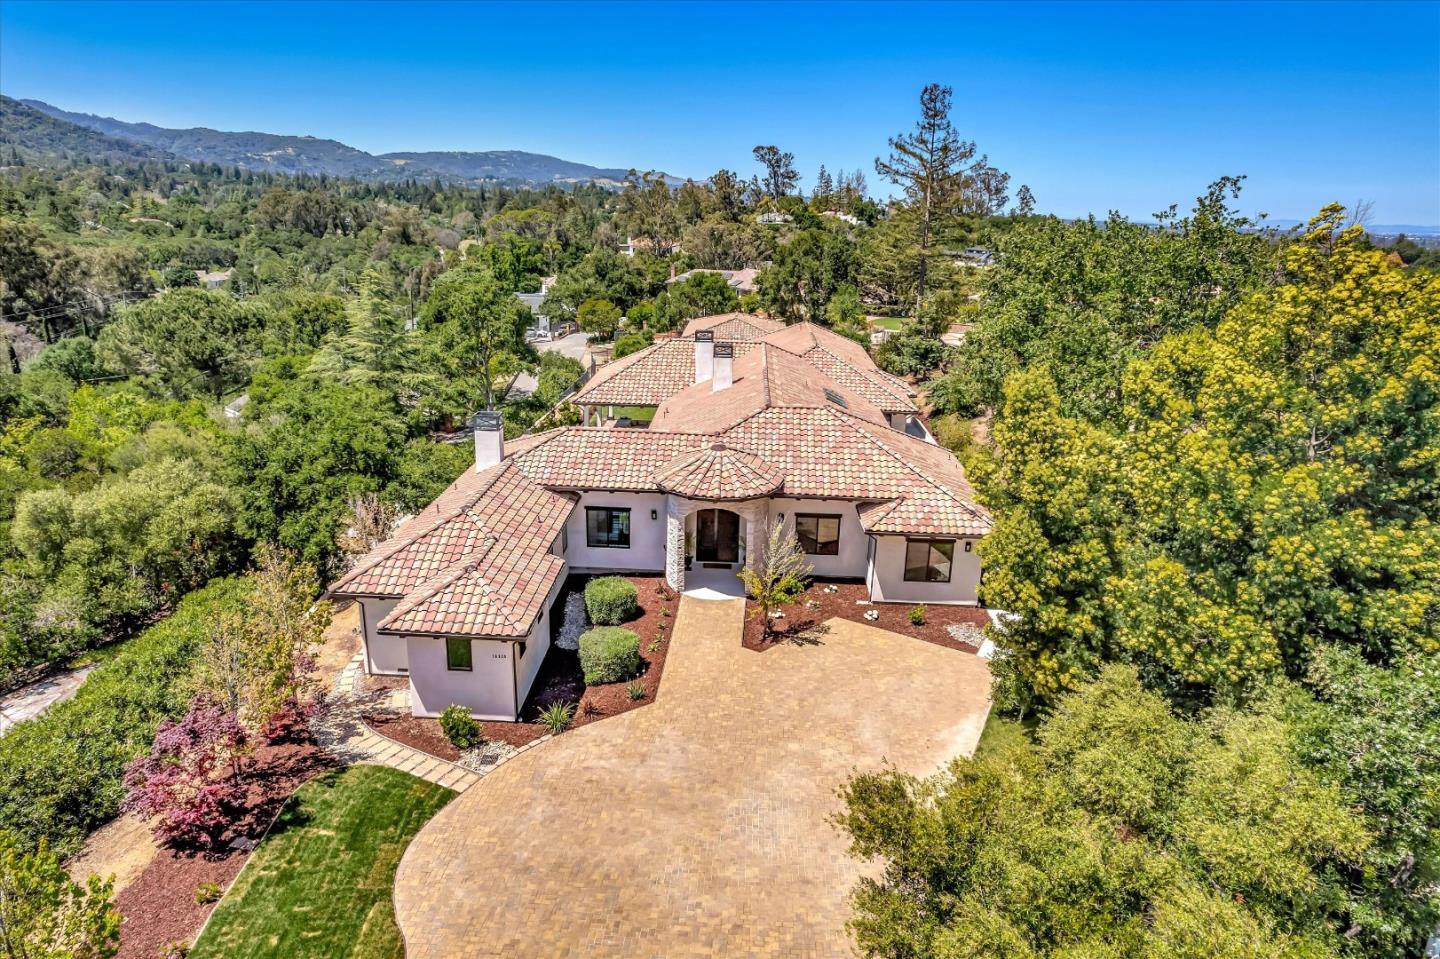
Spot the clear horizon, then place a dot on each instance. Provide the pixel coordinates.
(1096, 107)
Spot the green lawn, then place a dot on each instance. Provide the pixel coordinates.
(319, 885)
(640, 414)
(892, 323)
(1000, 732)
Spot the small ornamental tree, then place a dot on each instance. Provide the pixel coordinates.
(189, 782)
(257, 662)
(600, 318)
(781, 576)
(44, 914)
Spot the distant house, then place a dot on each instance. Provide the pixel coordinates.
(236, 407)
(976, 256)
(849, 218)
(741, 281)
(212, 281)
(536, 303)
(773, 218)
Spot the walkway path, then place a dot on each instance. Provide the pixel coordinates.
(30, 701)
(698, 825)
(339, 728)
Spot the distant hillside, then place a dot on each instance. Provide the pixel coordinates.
(292, 154)
(504, 165)
(35, 134)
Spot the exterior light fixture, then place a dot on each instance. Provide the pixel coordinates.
(655, 515)
(967, 546)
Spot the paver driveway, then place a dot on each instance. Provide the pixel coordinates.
(698, 825)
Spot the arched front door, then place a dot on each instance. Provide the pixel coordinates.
(717, 536)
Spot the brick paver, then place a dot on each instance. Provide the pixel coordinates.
(697, 825)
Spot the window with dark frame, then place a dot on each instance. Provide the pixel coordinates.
(458, 654)
(607, 527)
(929, 560)
(818, 533)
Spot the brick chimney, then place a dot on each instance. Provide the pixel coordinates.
(489, 430)
(724, 362)
(704, 355)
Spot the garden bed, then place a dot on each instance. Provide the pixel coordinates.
(846, 603)
(560, 681)
(159, 906)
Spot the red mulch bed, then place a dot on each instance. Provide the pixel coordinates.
(560, 681)
(800, 620)
(159, 906)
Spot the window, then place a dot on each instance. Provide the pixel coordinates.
(928, 560)
(818, 533)
(607, 527)
(457, 654)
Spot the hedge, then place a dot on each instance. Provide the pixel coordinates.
(610, 600)
(609, 654)
(60, 773)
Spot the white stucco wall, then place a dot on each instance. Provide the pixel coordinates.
(854, 545)
(487, 690)
(887, 576)
(647, 536)
(537, 644)
(384, 655)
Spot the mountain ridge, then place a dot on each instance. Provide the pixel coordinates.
(284, 153)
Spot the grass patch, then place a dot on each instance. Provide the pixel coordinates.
(320, 883)
(893, 323)
(640, 414)
(1000, 733)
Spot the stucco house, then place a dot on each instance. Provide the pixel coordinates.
(751, 422)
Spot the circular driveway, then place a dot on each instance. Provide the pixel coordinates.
(699, 824)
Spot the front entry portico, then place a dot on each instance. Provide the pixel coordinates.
(715, 540)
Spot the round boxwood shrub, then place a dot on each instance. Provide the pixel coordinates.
(610, 600)
(458, 726)
(609, 654)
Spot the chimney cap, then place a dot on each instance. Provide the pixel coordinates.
(704, 336)
(487, 420)
(723, 350)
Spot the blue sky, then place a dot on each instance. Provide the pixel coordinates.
(1125, 106)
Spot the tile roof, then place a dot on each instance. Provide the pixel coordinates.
(491, 530)
(719, 472)
(647, 378)
(658, 372)
(765, 377)
(735, 326)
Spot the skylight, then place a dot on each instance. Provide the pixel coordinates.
(836, 398)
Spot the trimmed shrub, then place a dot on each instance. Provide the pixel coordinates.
(611, 600)
(60, 773)
(917, 615)
(609, 654)
(459, 727)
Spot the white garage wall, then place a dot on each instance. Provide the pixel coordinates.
(887, 577)
(851, 560)
(384, 655)
(647, 536)
(487, 690)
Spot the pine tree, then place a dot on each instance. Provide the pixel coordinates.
(824, 186)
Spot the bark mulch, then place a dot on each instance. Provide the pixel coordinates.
(560, 680)
(802, 623)
(159, 906)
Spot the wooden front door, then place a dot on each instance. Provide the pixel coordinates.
(717, 536)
